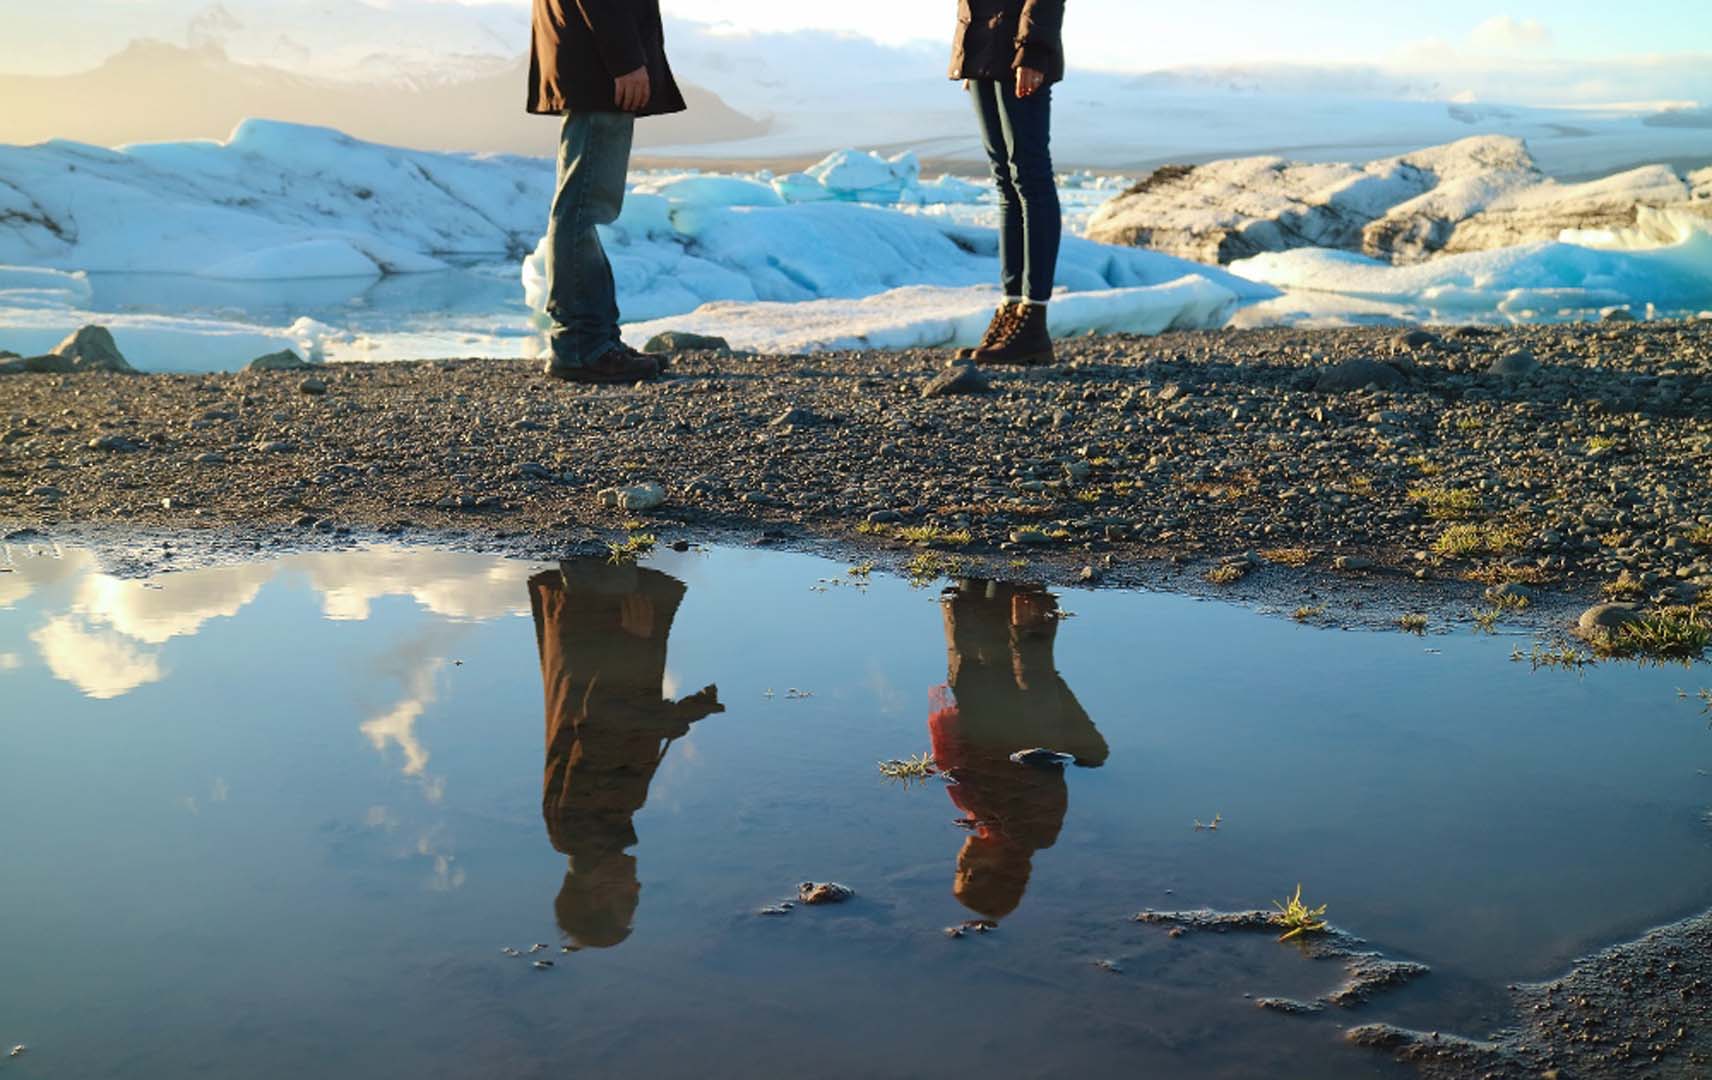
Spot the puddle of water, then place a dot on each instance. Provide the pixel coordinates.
(285, 815)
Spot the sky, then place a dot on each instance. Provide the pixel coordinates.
(1144, 34)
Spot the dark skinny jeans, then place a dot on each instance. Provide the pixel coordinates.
(1017, 133)
(594, 156)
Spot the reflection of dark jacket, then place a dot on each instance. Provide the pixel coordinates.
(1005, 695)
(602, 632)
(581, 47)
(995, 37)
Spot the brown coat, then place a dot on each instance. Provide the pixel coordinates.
(583, 46)
(995, 37)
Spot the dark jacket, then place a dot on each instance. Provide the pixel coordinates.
(582, 46)
(995, 37)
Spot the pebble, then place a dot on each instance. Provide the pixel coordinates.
(957, 379)
(312, 387)
(827, 892)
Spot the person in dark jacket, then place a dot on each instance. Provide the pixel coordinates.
(1004, 694)
(600, 64)
(602, 632)
(1009, 54)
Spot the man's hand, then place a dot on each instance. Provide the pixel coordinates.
(634, 90)
(1029, 81)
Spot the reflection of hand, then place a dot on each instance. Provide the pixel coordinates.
(1030, 609)
(636, 616)
(1029, 81)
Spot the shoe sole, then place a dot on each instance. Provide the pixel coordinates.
(597, 378)
(1044, 359)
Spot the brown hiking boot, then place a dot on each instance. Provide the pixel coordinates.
(996, 330)
(619, 364)
(1026, 344)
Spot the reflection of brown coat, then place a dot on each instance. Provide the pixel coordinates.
(602, 631)
(1006, 695)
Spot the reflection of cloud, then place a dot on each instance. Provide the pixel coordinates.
(447, 875)
(10, 661)
(100, 663)
(447, 583)
(398, 726)
(37, 568)
(220, 792)
(174, 605)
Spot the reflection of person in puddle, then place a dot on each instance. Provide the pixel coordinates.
(1005, 695)
(602, 631)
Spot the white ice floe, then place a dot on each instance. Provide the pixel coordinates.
(1554, 279)
(924, 316)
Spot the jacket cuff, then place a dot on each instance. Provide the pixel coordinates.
(1032, 55)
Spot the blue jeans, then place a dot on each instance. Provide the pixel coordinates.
(1017, 133)
(594, 159)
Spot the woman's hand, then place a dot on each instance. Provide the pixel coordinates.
(1029, 81)
(633, 91)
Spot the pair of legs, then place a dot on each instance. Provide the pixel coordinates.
(1017, 134)
(582, 300)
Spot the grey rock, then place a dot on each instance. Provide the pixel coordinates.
(1414, 341)
(284, 360)
(957, 379)
(885, 517)
(825, 892)
(1617, 314)
(1170, 392)
(795, 418)
(1032, 537)
(213, 457)
(93, 349)
(1352, 562)
(1514, 365)
(675, 341)
(1357, 374)
(115, 444)
(534, 470)
(1602, 620)
(312, 387)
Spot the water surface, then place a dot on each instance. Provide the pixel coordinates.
(282, 817)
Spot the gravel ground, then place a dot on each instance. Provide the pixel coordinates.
(1552, 458)
(1643, 1008)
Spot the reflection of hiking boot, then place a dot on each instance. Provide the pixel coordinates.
(996, 330)
(619, 364)
(1028, 344)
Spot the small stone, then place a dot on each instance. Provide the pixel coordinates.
(542, 965)
(312, 387)
(1413, 341)
(957, 379)
(828, 892)
(1170, 392)
(1616, 314)
(676, 341)
(953, 931)
(534, 470)
(1042, 758)
(212, 457)
(636, 498)
(885, 517)
(775, 910)
(1352, 562)
(19, 1051)
(795, 418)
(1032, 537)
(1089, 574)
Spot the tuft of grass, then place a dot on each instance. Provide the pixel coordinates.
(1601, 443)
(631, 548)
(861, 571)
(1089, 495)
(1297, 918)
(1209, 826)
(1700, 536)
(916, 769)
(1674, 633)
(1308, 614)
(1427, 466)
(1448, 504)
(1019, 564)
(1414, 623)
(1227, 573)
(935, 534)
(929, 566)
(1468, 422)
(1486, 620)
(868, 528)
(1559, 657)
(1625, 587)
(1464, 541)
(1513, 601)
(1293, 557)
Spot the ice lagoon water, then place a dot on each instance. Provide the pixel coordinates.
(279, 819)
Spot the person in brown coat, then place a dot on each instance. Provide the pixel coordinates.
(602, 632)
(1005, 695)
(600, 64)
(1009, 53)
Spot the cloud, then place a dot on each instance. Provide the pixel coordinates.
(1501, 33)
